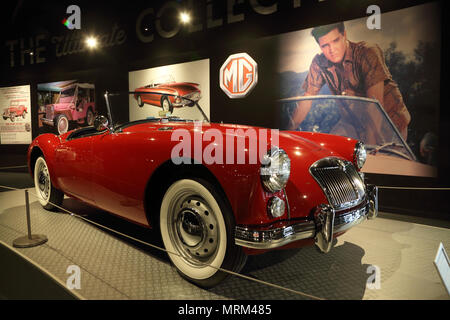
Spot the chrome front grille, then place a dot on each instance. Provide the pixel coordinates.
(340, 182)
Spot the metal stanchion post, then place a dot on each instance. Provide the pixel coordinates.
(30, 240)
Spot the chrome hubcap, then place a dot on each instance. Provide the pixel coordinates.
(194, 229)
(43, 181)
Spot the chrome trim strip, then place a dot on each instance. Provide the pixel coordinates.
(274, 238)
(287, 204)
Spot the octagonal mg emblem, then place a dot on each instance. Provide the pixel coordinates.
(238, 75)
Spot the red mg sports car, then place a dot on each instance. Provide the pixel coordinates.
(167, 94)
(305, 190)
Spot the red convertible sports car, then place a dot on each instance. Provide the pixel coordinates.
(167, 94)
(307, 189)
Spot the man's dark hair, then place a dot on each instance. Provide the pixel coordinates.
(318, 32)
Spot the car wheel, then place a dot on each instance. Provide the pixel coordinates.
(62, 124)
(47, 194)
(89, 117)
(197, 229)
(12, 117)
(4, 118)
(166, 105)
(140, 102)
(24, 115)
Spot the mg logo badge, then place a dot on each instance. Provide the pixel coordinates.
(238, 75)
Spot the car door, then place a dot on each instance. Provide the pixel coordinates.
(150, 97)
(119, 176)
(73, 158)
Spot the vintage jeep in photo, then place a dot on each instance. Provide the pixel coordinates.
(16, 109)
(75, 103)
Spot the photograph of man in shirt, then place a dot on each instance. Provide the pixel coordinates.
(353, 69)
(378, 85)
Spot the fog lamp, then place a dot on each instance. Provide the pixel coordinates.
(276, 207)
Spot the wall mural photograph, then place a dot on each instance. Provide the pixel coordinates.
(380, 86)
(173, 90)
(65, 105)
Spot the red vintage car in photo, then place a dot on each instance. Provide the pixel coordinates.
(16, 109)
(307, 190)
(75, 103)
(164, 92)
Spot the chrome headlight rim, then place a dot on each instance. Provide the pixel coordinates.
(359, 155)
(275, 170)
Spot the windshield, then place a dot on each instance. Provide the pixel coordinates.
(161, 80)
(68, 93)
(357, 118)
(15, 102)
(121, 116)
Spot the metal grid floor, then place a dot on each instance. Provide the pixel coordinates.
(114, 267)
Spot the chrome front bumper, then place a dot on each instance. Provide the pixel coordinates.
(325, 224)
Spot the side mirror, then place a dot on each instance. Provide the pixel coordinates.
(100, 123)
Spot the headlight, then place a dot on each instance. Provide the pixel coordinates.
(360, 155)
(275, 169)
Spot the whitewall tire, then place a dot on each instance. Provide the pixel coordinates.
(47, 194)
(197, 231)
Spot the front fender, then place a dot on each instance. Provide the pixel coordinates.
(45, 144)
(343, 146)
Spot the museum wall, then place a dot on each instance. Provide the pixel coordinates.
(146, 35)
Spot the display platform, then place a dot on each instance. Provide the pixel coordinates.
(395, 257)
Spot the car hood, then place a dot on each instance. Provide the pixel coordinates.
(298, 148)
(181, 86)
(59, 105)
